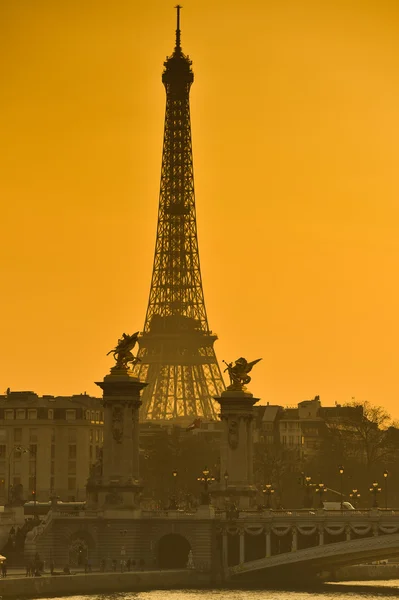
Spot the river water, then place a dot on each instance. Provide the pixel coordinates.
(335, 591)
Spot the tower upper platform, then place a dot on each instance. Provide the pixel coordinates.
(177, 75)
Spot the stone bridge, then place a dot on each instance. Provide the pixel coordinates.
(305, 542)
(253, 545)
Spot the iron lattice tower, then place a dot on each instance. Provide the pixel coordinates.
(178, 360)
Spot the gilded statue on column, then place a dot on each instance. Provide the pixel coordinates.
(122, 351)
(238, 373)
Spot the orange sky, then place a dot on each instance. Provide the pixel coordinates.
(295, 128)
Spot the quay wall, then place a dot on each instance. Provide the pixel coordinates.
(366, 572)
(66, 585)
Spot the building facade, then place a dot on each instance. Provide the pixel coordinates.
(47, 445)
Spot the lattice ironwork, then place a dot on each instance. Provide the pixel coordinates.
(176, 347)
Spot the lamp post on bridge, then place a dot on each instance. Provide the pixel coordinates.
(375, 490)
(354, 496)
(206, 479)
(307, 482)
(386, 487)
(268, 491)
(341, 474)
(321, 489)
(173, 500)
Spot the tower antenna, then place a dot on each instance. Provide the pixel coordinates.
(178, 46)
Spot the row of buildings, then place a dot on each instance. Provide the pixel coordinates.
(48, 443)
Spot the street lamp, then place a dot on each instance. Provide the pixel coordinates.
(308, 486)
(173, 500)
(386, 487)
(226, 479)
(341, 473)
(206, 480)
(321, 489)
(354, 496)
(375, 490)
(268, 492)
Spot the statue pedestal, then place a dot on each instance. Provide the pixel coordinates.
(116, 485)
(236, 450)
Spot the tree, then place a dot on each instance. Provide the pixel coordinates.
(368, 439)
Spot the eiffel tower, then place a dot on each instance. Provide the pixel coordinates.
(176, 351)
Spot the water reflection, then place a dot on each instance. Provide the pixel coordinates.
(355, 590)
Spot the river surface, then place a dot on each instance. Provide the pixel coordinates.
(349, 590)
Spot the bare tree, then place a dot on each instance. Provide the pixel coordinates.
(367, 439)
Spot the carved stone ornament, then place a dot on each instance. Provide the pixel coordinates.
(113, 498)
(117, 424)
(233, 437)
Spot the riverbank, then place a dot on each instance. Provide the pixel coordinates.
(367, 573)
(94, 583)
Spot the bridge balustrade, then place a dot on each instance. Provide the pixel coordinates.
(258, 535)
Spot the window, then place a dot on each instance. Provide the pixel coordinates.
(71, 484)
(20, 413)
(32, 451)
(17, 453)
(97, 452)
(72, 467)
(50, 413)
(284, 439)
(3, 435)
(2, 451)
(87, 415)
(91, 436)
(97, 436)
(92, 415)
(16, 480)
(32, 468)
(33, 435)
(91, 452)
(290, 440)
(101, 436)
(72, 452)
(32, 413)
(9, 413)
(102, 416)
(70, 414)
(17, 435)
(71, 435)
(97, 416)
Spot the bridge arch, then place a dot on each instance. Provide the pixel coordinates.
(80, 548)
(173, 550)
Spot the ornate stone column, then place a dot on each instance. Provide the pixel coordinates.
(242, 546)
(225, 549)
(321, 535)
(268, 542)
(294, 546)
(115, 485)
(348, 533)
(236, 448)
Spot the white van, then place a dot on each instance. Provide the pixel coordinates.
(337, 506)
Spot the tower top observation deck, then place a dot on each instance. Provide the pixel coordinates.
(178, 75)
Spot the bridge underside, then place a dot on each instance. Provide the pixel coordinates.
(302, 564)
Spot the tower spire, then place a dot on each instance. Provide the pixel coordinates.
(178, 46)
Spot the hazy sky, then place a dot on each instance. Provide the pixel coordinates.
(295, 126)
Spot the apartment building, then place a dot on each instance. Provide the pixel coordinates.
(47, 445)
